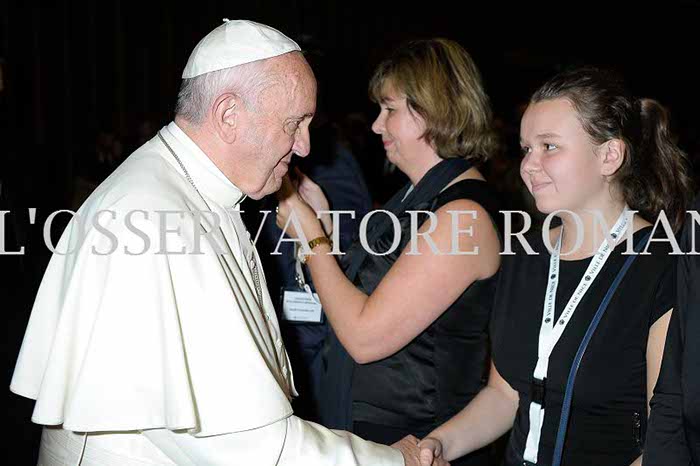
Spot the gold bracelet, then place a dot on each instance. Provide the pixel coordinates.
(312, 244)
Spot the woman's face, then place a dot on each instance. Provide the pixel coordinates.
(400, 128)
(560, 167)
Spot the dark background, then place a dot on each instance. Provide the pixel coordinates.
(79, 75)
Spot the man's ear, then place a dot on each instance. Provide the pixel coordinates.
(226, 113)
(612, 156)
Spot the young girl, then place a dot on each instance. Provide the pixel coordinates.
(591, 149)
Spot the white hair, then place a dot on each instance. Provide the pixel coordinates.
(198, 94)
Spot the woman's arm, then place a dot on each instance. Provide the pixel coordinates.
(488, 416)
(416, 290)
(655, 353)
(665, 440)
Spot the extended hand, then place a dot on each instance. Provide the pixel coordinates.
(314, 196)
(430, 448)
(408, 446)
(290, 201)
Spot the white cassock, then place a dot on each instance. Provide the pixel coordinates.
(165, 358)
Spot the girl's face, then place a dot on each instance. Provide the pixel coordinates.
(560, 166)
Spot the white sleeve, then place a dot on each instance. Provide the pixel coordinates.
(308, 443)
(289, 442)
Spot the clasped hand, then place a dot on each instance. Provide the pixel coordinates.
(427, 452)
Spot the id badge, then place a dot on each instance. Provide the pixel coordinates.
(300, 308)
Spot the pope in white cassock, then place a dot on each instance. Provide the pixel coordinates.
(153, 340)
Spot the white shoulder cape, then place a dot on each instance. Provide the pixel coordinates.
(134, 341)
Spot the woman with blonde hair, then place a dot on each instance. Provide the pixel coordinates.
(410, 318)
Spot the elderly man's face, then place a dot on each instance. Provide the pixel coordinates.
(280, 126)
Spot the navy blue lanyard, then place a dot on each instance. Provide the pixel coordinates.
(569, 393)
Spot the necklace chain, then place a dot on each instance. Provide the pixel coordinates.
(254, 265)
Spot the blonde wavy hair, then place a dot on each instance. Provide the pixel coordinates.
(443, 85)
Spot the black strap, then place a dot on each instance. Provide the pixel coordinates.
(427, 188)
(478, 191)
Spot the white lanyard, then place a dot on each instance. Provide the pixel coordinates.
(551, 330)
(299, 275)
